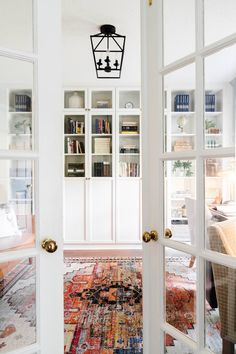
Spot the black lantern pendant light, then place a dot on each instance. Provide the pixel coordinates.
(108, 52)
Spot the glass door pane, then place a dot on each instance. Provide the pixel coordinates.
(16, 24)
(219, 19)
(17, 304)
(179, 37)
(179, 110)
(16, 105)
(220, 98)
(180, 199)
(17, 215)
(180, 292)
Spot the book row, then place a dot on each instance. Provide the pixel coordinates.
(22, 103)
(75, 127)
(129, 127)
(181, 103)
(129, 169)
(102, 169)
(76, 170)
(75, 146)
(210, 103)
(102, 126)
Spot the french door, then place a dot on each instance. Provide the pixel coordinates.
(31, 311)
(189, 97)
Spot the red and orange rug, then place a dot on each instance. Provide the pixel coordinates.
(103, 306)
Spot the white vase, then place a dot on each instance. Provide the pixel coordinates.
(75, 100)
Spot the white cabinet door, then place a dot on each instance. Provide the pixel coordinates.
(101, 210)
(128, 194)
(74, 210)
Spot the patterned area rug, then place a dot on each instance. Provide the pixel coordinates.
(17, 307)
(103, 306)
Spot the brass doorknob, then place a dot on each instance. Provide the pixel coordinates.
(49, 245)
(168, 233)
(148, 236)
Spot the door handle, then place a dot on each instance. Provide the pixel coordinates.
(49, 245)
(148, 236)
(168, 233)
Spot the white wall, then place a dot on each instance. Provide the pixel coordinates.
(82, 18)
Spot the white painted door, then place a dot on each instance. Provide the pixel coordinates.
(189, 95)
(31, 308)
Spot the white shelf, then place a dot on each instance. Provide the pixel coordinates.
(20, 178)
(105, 154)
(190, 113)
(130, 154)
(21, 200)
(129, 135)
(213, 113)
(81, 154)
(178, 218)
(101, 134)
(74, 134)
(20, 112)
(182, 134)
(207, 134)
(19, 134)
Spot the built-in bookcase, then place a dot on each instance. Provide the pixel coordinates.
(180, 120)
(20, 122)
(20, 128)
(180, 135)
(102, 155)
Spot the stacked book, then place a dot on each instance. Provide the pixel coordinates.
(129, 128)
(75, 146)
(102, 169)
(129, 169)
(182, 145)
(75, 127)
(102, 145)
(76, 170)
(102, 126)
(181, 103)
(210, 103)
(22, 103)
(129, 149)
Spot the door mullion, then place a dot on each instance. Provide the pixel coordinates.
(200, 201)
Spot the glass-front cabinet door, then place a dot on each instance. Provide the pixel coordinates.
(30, 279)
(189, 176)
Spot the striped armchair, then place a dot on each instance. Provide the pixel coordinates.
(222, 239)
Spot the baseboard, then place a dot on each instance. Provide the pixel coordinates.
(83, 250)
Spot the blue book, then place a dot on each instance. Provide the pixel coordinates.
(187, 103)
(213, 103)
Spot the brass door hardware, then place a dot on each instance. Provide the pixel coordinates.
(168, 233)
(148, 236)
(150, 2)
(49, 245)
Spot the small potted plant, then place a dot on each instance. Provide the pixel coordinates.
(182, 168)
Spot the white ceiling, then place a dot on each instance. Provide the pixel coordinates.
(91, 14)
(88, 15)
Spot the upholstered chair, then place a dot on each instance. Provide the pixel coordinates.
(222, 239)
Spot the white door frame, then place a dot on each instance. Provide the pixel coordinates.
(48, 157)
(153, 157)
